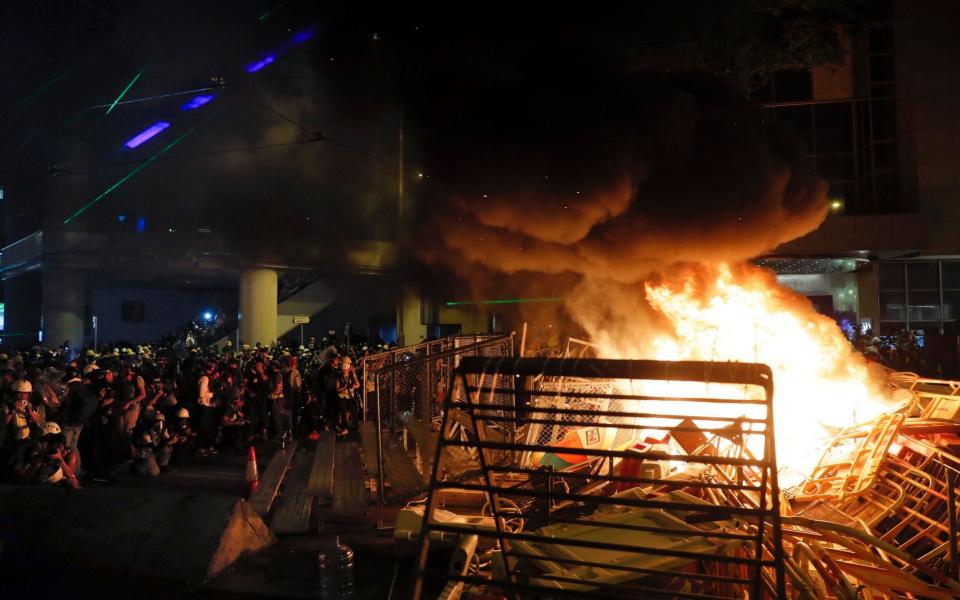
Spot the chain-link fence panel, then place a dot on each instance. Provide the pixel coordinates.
(410, 385)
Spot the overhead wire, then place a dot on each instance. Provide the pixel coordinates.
(157, 157)
(158, 96)
(142, 166)
(100, 121)
(28, 98)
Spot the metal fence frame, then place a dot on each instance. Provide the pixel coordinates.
(762, 566)
(441, 357)
(430, 366)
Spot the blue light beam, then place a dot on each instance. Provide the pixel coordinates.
(260, 64)
(146, 134)
(197, 101)
(304, 35)
(136, 170)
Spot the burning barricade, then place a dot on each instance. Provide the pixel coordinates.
(636, 479)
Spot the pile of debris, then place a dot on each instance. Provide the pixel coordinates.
(590, 478)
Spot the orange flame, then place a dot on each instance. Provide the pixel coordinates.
(740, 313)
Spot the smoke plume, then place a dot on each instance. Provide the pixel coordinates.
(611, 180)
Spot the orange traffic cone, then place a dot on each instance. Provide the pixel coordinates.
(252, 477)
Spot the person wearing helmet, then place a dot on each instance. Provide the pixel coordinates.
(102, 442)
(145, 461)
(50, 428)
(206, 404)
(132, 393)
(257, 406)
(22, 416)
(61, 462)
(311, 417)
(81, 408)
(329, 376)
(236, 427)
(183, 437)
(165, 441)
(347, 386)
(90, 368)
(281, 408)
(168, 403)
(292, 388)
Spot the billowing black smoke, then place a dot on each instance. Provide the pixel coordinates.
(609, 178)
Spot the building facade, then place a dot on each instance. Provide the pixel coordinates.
(883, 129)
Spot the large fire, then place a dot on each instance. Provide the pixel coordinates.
(740, 313)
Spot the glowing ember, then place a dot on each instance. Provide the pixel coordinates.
(740, 313)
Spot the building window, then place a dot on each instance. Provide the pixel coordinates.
(851, 143)
(919, 295)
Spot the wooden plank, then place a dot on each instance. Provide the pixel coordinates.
(262, 499)
(350, 496)
(292, 514)
(368, 443)
(322, 470)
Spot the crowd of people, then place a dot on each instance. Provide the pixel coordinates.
(68, 416)
(65, 419)
(902, 352)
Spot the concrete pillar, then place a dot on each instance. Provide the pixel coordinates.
(22, 296)
(258, 306)
(63, 306)
(411, 328)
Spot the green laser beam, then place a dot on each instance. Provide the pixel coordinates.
(267, 14)
(96, 125)
(126, 89)
(502, 301)
(50, 82)
(139, 168)
(23, 104)
(157, 97)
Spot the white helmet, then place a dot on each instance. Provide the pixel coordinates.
(49, 427)
(159, 417)
(183, 414)
(57, 476)
(22, 385)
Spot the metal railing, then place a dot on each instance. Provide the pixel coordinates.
(408, 379)
(599, 514)
(402, 396)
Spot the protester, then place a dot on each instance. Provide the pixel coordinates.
(67, 419)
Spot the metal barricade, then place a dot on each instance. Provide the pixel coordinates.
(596, 513)
(403, 392)
(407, 380)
